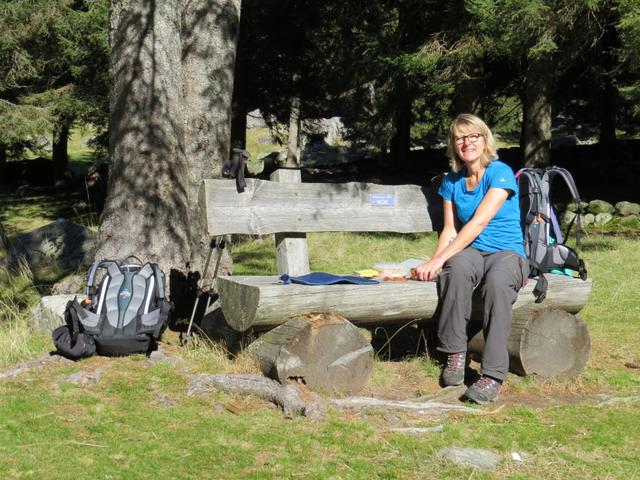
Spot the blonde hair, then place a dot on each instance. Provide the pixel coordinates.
(466, 123)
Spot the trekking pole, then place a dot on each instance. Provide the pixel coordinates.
(218, 244)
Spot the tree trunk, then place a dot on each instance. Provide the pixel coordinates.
(401, 140)
(293, 154)
(172, 64)
(609, 95)
(608, 114)
(239, 106)
(209, 37)
(3, 164)
(468, 97)
(146, 211)
(536, 124)
(547, 343)
(324, 351)
(60, 155)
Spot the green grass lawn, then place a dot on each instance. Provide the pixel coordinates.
(137, 422)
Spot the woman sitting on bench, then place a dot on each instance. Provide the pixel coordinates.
(482, 193)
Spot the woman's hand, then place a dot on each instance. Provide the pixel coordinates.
(428, 270)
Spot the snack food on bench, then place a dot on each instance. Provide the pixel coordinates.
(394, 279)
(392, 272)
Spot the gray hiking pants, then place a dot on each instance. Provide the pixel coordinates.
(500, 275)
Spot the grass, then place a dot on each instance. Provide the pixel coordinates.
(137, 422)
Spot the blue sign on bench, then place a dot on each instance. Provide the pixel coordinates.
(382, 200)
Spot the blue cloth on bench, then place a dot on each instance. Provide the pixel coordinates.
(322, 278)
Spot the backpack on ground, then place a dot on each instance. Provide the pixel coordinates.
(543, 237)
(125, 314)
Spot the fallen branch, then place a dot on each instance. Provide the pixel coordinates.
(425, 408)
(293, 399)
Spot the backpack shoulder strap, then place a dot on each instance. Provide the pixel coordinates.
(550, 174)
(159, 276)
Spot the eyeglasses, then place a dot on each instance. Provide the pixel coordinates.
(472, 137)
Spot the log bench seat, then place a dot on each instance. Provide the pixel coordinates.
(547, 338)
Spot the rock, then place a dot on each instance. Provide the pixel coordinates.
(517, 458)
(85, 378)
(33, 364)
(600, 206)
(49, 313)
(61, 245)
(564, 141)
(69, 284)
(567, 217)
(471, 457)
(603, 218)
(587, 219)
(571, 206)
(255, 119)
(625, 209)
(328, 129)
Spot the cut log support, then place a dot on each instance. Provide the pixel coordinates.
(264, 302)
(324, 351)
(547, 343)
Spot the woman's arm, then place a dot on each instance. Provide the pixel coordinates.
(493, 200)
(449, 231)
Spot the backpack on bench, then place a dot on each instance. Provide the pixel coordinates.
(543, 238)
(125, 314)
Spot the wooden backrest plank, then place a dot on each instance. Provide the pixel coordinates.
(270, 207)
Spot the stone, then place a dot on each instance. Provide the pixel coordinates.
(471, 457)
(600, 206)
(61, 245)
(255, 119)
(49, 313)
(603, 218)
(587, 219)
(85, 378)
(567, 217)
(625, 209)
(564, 141)
(328, 129)
(69, 284)
(571, 206)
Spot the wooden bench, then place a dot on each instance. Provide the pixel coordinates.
(547, 338)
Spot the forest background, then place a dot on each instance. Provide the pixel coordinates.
(165, 90)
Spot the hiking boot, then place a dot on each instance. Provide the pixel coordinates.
(453, 372)
(483, 391)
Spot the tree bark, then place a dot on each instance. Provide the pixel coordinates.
(324, 351)
(172, 67)
(293, 399)
(401, 140)
(293, 153)
(536, 124)
(209, 37)
(468, 97)
(548, 343)
(60, 154)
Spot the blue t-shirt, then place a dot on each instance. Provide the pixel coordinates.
(503, 231)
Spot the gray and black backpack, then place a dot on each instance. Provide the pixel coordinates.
(543, 237)
(125, 314)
